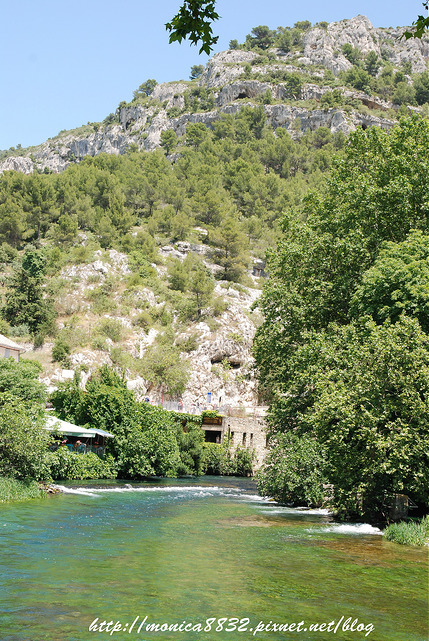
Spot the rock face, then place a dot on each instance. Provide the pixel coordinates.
(141, 124)
(221, 363)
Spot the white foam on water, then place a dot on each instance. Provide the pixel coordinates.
(157, 488)
(79, 490)
(320, 510)
(246, 497)
(349, 528)
(178, 492)
(284, 509)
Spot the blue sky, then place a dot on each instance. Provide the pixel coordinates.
(66, 63)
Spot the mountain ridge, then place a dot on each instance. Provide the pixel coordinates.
(223, 88)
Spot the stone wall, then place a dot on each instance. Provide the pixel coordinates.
(7, 352)
(247, 432)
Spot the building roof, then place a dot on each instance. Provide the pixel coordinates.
(54, 423)
(6, 342)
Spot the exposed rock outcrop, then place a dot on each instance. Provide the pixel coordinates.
(141, 124)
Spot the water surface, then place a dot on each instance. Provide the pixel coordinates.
(178, 551)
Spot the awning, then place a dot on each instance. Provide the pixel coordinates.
(54, 423)
(100, 432)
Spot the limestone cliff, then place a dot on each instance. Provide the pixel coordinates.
(141, 123)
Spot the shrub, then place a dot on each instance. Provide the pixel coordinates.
(112, 328)
(100, 343)
(219, 459)
(162, 365)
(188, 343)
(191, 449)
(5, 328)
(23, 441)
(14, 490)
(68, 466)
(292, 472)
(219, 306)
(61, 352)
(143, 320)
(408, 533)
(19, 330)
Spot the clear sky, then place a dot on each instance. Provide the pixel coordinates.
(66, 63)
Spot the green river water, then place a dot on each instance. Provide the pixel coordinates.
(185, 551)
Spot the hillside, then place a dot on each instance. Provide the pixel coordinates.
(153, 226)
(339, 75)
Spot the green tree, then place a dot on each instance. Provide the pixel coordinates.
(261, 37)
(163, 367)
(150, 452)
(303, 25)
(168, 140)
(201, 286)
(25, 302)
(363, 391)
(196, 134)
(358, 78)
(351, 53)
(23, 439)
(293, 471)
(21, 379)
(146, 88)
(372, 63)
(285, 41)
(196, 71)
(421, 87)
(231, 245)
(404, 94)
(374, 194)
(178, 275)
(334, 248)
(397, 283)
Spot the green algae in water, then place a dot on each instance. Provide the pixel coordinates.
(189, 550)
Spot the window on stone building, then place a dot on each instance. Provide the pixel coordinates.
(244, 438)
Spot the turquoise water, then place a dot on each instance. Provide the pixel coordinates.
(184, 551)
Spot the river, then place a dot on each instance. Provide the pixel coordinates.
(191, 552)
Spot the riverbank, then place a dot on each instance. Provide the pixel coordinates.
(14, 490)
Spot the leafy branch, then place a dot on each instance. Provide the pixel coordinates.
(421, 25)
(193, 21)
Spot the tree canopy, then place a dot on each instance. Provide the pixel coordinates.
(343, 352)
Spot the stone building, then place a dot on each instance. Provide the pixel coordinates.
(9, 349)
(249, 432)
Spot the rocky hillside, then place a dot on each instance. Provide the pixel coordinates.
(215, 350)
(153, 258)
(317, 80)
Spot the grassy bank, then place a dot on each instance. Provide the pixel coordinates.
(408, 533)
(14, 490)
